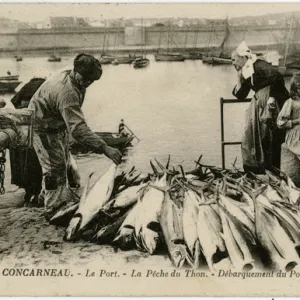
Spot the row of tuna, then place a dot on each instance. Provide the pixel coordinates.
(206, 218)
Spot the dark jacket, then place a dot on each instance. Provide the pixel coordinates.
(264, 75)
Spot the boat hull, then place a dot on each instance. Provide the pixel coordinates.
(221, 61)
(8, 86)
(54, 58)
(106, 60)
(124, 60)
(192, 55)
(207, 60)
(168, 57)
(141, 63)
(111, 139)
(213, 60)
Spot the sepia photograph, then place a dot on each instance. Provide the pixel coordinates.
(149, 149)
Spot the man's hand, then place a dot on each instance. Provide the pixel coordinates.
(114, 154)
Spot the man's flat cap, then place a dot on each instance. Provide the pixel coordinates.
(87, 66)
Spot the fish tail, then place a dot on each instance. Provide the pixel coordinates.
(73, 227)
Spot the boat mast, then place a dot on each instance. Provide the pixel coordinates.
(196, 36)
(287, 44)
(227, 32)
(168, 42)
(142, 40)
(186, 38)
(104, 40)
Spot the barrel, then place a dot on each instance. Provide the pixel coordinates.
(290, 164)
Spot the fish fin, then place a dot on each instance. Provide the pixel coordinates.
(160, 165)
(153, 168)
(154, 226)
(182, 172)
(168, 162)
(178, 241)
(188, 257)
(72, 230)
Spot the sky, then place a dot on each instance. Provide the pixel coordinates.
(36, 12)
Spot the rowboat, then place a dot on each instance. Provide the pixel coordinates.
(141, 63)
(167, 56)
(53, 58)
(125, 60)
(9, 83)
(105, 60)
(115, 140)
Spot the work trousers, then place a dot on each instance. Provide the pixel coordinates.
(53, 154)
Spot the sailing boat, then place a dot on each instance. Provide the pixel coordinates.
(192, 55)
(285, 68)
(222, 58)
(167, 56)
(126, 59)
(53, 57)
(141, 62)
(18, 57)
(104, 58)
(207, 58)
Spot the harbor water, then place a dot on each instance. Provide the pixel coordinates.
(173, 107)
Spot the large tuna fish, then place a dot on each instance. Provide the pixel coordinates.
(238, 244)
(274, 239)
(209, 229)
(171, 225)
(189, 221)
(91, 203)
(124, 238)
(234, 208)
(64, 215)
(126, 198)
(147, 227)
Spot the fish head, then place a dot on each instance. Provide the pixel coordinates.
(150, 240)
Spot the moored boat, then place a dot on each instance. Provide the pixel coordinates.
(192, 55)
(168, 56)
(54, 58)
(141, 63)
(207, 59)
(115, 140)
(221, 61)
(125, 59)
(9, 86)
(105, 60)
(9, 83)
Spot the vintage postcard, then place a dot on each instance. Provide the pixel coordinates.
(149, 149)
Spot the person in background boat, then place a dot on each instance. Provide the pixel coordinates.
(289, 119)
(261, 143)
(122, 130)
(57, 104)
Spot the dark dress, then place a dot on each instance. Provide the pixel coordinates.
(262, 139)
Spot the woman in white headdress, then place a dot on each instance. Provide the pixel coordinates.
(261, 143)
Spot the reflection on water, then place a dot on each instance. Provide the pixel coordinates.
(173, 107)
